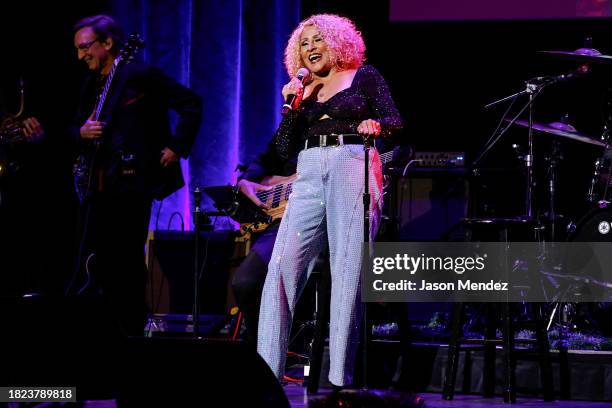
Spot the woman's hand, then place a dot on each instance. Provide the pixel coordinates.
(369, 127)
(294, 87)
(250, 189)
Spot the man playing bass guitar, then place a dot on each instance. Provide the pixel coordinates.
(256, 184)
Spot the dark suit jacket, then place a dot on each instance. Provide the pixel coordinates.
(137, 119)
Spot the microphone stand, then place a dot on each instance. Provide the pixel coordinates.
(197, 219)
(529, 156)
(367, 143)
(532, 88)
(366, 240)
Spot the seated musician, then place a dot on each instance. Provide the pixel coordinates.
(20, 213)
(250, 276)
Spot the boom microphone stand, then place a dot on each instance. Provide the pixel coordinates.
(533, 88)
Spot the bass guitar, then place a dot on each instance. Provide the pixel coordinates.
(251, 217)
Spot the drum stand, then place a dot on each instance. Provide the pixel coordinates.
(553, 161)
(594, 196)
(533, 88)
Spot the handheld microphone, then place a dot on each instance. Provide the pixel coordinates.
(302, 75)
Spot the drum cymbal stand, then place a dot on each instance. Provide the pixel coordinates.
(601, 197)
(553, 161)
(533, 88)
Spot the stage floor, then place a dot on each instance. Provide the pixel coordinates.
(298, 399)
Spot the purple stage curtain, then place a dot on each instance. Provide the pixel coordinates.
(231, 53)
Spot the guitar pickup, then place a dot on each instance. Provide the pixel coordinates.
(128, 162)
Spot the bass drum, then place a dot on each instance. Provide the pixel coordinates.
(596, 226)
(578, 256)
(591, 317)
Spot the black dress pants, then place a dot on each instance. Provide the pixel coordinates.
(112, 263)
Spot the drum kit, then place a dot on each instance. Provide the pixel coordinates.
(594, 223)
(598, 199)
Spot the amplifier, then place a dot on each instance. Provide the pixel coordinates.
(429, 201)
(171, 262)
(439, 159)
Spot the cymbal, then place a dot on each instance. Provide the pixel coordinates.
(584, 55)
(563, 130)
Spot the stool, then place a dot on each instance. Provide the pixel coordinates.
(497, 229)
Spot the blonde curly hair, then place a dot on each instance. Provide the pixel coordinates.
(345, 43)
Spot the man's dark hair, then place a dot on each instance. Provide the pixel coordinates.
(104, 27)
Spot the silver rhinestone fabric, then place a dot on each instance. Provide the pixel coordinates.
(326, 203)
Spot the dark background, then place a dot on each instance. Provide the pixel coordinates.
(441, 75)
(487, 10)
(38, 226)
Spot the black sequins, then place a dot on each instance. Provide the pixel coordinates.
(367, 98)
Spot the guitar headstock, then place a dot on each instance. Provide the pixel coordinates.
(133, 44)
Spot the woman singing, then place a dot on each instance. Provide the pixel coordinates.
(341, 101)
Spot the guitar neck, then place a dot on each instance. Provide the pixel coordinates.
(105, 90)
(281, 190)
(277, 196)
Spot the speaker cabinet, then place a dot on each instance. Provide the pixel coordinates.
(428, 202)
(76, 342)
(198, 373)
(61, 341)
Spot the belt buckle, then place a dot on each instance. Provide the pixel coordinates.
(339, 140)
(322, 140)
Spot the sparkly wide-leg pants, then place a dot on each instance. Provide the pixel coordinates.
(326, 203)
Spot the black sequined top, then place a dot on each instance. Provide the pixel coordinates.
(368, 97)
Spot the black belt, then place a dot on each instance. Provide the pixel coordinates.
(333, 140)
